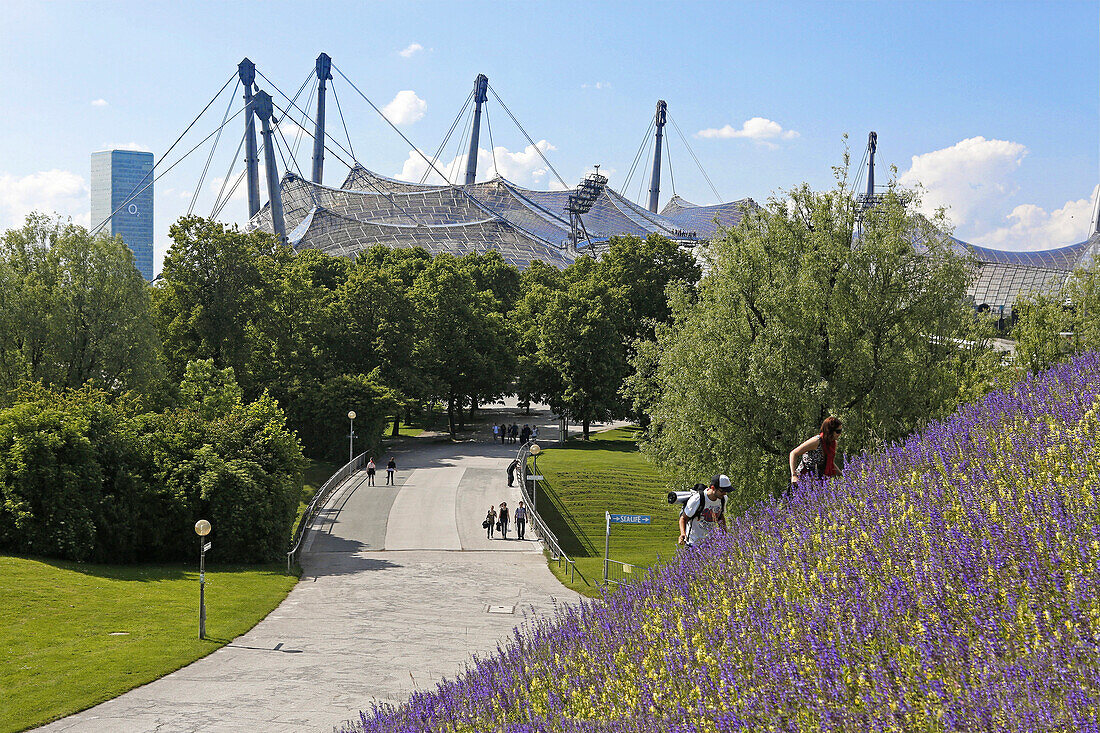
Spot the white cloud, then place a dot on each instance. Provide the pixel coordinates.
(1031, 227)
(406, 108)
(99, 102)
(53, 191)
(597, 85)
(759, 129)
(521, 166)
(971, 179)
(974, 181)
(411, 50)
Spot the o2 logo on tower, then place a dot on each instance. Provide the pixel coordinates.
(132, 208)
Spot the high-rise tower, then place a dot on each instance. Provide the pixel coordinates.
(122, 188)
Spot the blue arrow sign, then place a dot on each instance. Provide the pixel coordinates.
(630, 519)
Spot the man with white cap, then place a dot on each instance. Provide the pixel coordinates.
(706, 508)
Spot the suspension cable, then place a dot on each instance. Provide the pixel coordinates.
(447, 137)
(694, 157)
(641, 179)
(286, 144)
(294, 105)
(638, 155)
(342, 120)
(298, 137)
(166, 171)
(407, 141)
(232, 189)
(453, 171)
(229, 173)
(169, 150)
(387, 195)
(313, 136)
(492, 146)
(213, 148)
(536, 147)
(671, 176)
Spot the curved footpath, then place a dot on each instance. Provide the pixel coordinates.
(395, 595)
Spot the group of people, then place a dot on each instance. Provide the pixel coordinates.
(513, 434)
(497, 519)
(391, 467)
(706, 508)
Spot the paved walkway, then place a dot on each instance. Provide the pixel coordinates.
(395, 594)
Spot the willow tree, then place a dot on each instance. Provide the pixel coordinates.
(811, 306)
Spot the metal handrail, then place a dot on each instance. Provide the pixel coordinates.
(319, 500)
(608, 563)
(543, 531)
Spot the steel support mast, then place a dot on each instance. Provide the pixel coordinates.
(264, 110)
(872, 145)
(246, 70)
(324, 73)
(655, 179)
(481, 86)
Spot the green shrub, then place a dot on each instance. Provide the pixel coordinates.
(88, 476)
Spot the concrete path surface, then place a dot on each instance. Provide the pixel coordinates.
(395, 595)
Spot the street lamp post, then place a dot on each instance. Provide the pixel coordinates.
(535, 450)
(351, 435)
(202, 528)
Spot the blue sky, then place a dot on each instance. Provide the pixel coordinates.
(993, 107)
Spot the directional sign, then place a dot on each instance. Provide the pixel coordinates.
(534, 477)
(207, 546)
(629, 518)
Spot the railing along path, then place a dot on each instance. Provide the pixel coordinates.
(319, 500)
(548, 538)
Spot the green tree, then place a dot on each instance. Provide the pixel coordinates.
(74, 308)
(212, 293)
(802, 315)
(536, 379)
(582, 346)
(641, 270)
(1054, 326)
(462, 345)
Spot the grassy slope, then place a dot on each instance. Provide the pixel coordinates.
(56, 618)
(583, 480)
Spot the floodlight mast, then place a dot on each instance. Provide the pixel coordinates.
(264, 109)
(324, 73)
(655, 180)
(481, 87)
(246, 70)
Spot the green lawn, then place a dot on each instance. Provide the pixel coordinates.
(583, 480)
(56, 621)
(404, 431)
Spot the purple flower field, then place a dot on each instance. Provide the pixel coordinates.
(949, 583)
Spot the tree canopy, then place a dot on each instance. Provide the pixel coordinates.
(809, 307)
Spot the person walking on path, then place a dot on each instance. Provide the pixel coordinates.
(496, 432)
(490, 522)
(525, 435)
(503, 433)
(521, 520)
(817, 456)
(390, 468)
(534, 433)
(513, 432)
(502, 517)
(370, 472)
(512, 471)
